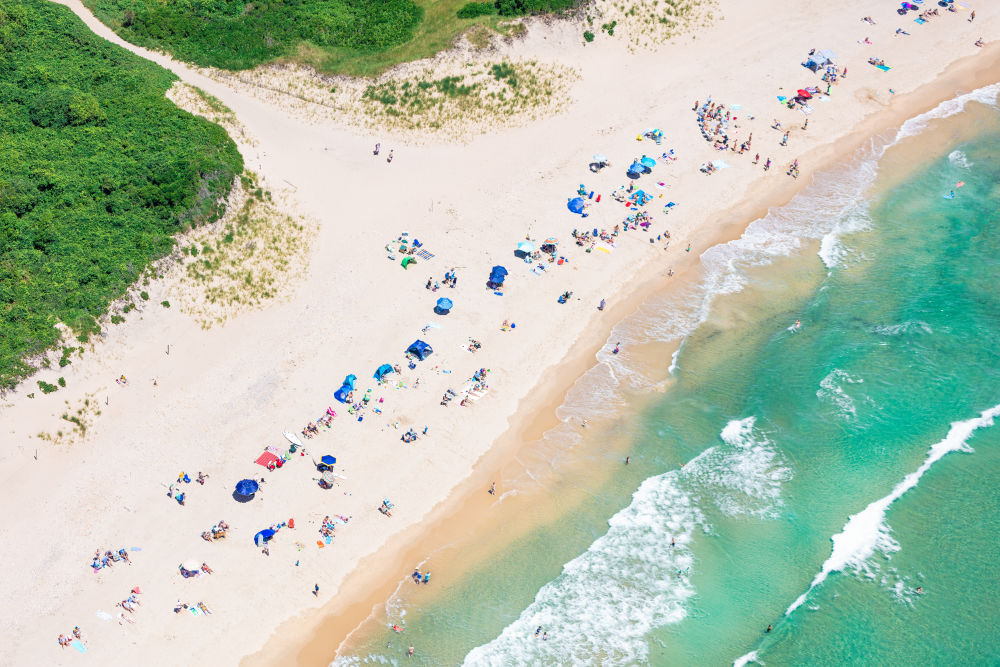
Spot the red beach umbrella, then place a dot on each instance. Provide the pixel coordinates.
(804, 93)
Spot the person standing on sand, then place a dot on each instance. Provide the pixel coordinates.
(389, 159)
(972, 16)
(805, 125)
(767, 165)
(756, 158)
(316, 590)
(377, 147)
(493, 489)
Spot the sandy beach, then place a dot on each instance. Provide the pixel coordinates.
(211, 400)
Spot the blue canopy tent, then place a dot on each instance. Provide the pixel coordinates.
(497, 275)
(349, 381)
(263, 536)
(382, 371)
(341, 394)
(575, 205)
(443, 306)
(246, 487)
(420, 350)
(647, 161)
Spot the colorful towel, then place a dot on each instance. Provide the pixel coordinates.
(266, 459)
(884, 68)
(920, 21)
(423, 254)
(78, 645)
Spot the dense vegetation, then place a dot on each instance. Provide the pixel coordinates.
(513, 7)
(98, 171)
(240, 34)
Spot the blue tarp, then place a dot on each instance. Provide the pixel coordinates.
(263, 536)
(382, 371)
(420, 350)
(497, 275)
(575, 205)
(246, 487)
(636, 168)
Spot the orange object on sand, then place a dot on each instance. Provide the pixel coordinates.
(291, 523)
(320, 544)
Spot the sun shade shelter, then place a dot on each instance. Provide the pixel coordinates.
(443, 306)
(263, 536)
(246, 487)
(497, 275)
(526, 247)
(382, 371)
(407, 261)
(420, 350)
(647, 162)
(346, 388)
(636, 168)
(328, 459)
(575, 205)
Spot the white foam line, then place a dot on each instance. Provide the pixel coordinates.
(745, 659)
(859, 537)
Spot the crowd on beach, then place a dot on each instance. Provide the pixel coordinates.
(720, 125)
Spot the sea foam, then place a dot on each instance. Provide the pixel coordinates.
(917, 124)
(867, 531)
(630, 580)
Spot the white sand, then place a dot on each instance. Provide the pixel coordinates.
(224, 394)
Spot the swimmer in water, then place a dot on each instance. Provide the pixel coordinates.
(538, 630)
(769, 628)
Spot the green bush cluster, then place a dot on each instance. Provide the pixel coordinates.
(98, 171)
(471, 10)
(240, 34)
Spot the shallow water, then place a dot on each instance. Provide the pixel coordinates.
(767, 440)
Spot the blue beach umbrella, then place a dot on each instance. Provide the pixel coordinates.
(246, 487)
(328, 460)
(636, 168)
(263, 536)
(600, 157)
(443, 306)
(576, 205)
(647, 161)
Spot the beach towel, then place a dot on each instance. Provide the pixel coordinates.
(884, 68)
(603, 249)
(266, 459)
(328, 539)
(719, 164)
(104, 616)
(78, 645)
(920, 21)
(194, 611)
(806, 109)
(423, 254)
(782, 99)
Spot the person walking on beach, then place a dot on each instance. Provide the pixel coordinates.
(316, 590)
(805, 125)
(493, 489)
(767, 165)
(756, 158)
(377, 147)
(389, 159)
(627, 459)
(784, 139)
(972, 16)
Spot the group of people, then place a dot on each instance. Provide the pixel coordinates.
(217, 532)
(109, 558)
(419, 578)
(65, 640)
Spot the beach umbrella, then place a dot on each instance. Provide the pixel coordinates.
(804, 93)
(551, 240)
(526, 246)
(329, 476)
(263, 536)
(246, 487)
(600, 157)
(636, 168)
(647, 161)
(576, 205)
(444, 304)
(328, 460)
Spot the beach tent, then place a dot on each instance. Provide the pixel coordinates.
(349, 381)
(382, 371)
(263, 536)
(443, 306)
(636, 168)
(575, 205)
(600, 158)
(407, 261)
(825, 57)
(341, 394)
(647, 161)
(526, 247)
(497, 275)
(246, 487)
(420, 350)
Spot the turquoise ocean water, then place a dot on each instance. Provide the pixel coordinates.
(836, 480)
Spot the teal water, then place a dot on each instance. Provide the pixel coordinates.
(829, 470)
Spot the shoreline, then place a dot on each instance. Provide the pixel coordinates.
(226, 393)
(373, 580)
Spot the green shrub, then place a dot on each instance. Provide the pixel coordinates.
(144, 295)
(471, 10)
(236, 34)
(588, 36)
(46, 387)
(165, 304)
(98, 173)
(62, 382)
